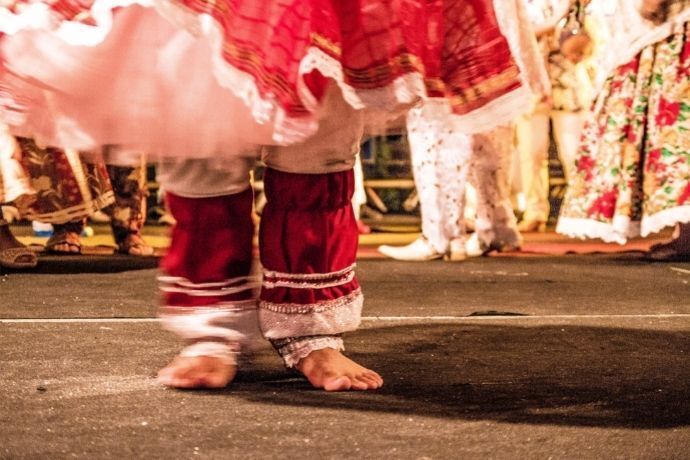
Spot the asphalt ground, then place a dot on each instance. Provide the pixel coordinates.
(540, 356)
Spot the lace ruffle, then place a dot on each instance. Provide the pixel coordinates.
(617, 232)
(329, 317)
(380, 103)
(667, 218)
(295, 350)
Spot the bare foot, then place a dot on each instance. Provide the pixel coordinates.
(331, 370)
(197, 372)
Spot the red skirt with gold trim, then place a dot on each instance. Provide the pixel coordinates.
(200, 77)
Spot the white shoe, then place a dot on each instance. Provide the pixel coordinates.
(419, 250)
(474, 247)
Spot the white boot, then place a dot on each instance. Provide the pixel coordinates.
(419, 250)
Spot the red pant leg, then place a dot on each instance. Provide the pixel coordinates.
(308, 243)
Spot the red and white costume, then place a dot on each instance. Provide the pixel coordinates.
(208, 84)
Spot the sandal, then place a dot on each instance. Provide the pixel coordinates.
(13, 254)
(134, 245)
(68, 235)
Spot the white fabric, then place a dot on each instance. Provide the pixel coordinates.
(545, 14)
(443, 161)
(333, 148)
(204, 178)
(296, 350)
(327, 317)
(14, 183)
(231, 323)
(515, 25)
(628, 32)
(440, 162)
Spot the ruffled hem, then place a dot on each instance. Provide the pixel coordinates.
(617, 231)
(667, 218)
(622, 228)
(381, 104)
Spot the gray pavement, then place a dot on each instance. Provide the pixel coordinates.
(503, 357)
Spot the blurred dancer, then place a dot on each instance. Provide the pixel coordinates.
(564, 44)
(299, 78)
(444, 160)
(70, 188)
(633, 173)
(15, 188)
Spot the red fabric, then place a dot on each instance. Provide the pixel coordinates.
(59, 184)
(211, 242)
(308, 226)
(454, 44)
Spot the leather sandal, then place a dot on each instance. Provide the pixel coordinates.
(69, 235)
(134, 245)
(16, 256)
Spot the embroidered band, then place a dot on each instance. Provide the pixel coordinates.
(273, 279)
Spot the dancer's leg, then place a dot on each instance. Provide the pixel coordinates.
(496, 226)
(208, 295)
(440, 163)
(308, 241)
(533, 144)
(128, 213)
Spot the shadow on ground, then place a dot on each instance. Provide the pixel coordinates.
(559, 375)
(86, 263)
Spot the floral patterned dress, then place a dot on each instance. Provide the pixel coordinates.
(633, 168)
(67, 188)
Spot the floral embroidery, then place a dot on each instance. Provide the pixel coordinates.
(633, 168)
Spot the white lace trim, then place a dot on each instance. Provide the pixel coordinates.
(407, 89)
(666, 218)
(279, 321)
(404, 90)
(499, 112)
(307, 285)
(622, 228)
(616, 232)
(305, 309)
(295, 351)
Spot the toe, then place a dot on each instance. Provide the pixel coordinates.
(371, 382)
(338, 384)
(376, 377)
